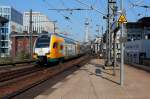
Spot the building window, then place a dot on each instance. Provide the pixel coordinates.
(5, 10)
(4, 30)
(129, 39)
(0, 10)
(133, 35)
(6, 16)
(138, 35)
(4, 37)
(4, 50)
(4, 44)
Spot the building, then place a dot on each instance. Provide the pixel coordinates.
(3, 21)
(117, 41)
(96, 45)
(40, 22)
(15, 24)
(20, 43)
(137, 51)
(138, 36)
(138, 30)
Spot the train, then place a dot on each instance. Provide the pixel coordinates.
(50, 48)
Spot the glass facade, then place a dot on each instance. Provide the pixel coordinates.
(15, 22)
(16, 16)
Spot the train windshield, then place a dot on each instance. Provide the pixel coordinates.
(43, 41)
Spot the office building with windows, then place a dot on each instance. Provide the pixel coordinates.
(40, 22)
(139, 30)
(137, 49)
(15, 24)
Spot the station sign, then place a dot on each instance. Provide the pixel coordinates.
(122, 19)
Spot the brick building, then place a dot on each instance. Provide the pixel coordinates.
(20, 43)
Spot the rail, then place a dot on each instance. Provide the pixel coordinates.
(36, 78)
(17, 62)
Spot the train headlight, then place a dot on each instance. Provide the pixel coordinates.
(35, 55)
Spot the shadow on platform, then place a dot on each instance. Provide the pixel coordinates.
(99, 71)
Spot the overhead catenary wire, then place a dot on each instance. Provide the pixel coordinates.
(137, 1)
(132, 10)
(94, 3)
(69, 9)
(102, 5)
(93, 6)
(59, 12)
(49, 5)
(138, 4)
(90, 7)
(64, 6)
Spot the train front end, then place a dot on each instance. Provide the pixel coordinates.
(42, 49)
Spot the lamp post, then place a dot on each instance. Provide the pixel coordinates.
(30, 34)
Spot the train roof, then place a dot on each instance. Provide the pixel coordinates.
(68, 40)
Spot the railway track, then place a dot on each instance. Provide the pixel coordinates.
(30, 77)
(14, 74)
(7, 67)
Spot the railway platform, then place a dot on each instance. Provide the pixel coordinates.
(91, 81)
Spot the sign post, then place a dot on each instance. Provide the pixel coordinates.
(122, 20)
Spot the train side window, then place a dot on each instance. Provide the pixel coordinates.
(61, 47)
(55, 45)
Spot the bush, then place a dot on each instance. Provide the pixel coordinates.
(23, 55)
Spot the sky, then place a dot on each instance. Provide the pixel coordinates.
(75, 25)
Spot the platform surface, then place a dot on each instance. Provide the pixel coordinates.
(92, 82)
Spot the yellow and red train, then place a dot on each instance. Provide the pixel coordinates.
(55, 48)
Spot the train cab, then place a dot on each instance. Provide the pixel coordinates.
(48, 48)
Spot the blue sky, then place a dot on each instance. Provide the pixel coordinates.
(75, 26)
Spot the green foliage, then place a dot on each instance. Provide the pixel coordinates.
(6, 60)
(23, 55)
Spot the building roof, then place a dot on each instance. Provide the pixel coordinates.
(15, 34)
(144, 19)
(143, 22)
(133, 25)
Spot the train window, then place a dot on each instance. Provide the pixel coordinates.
(43, 42)
(61, 47)
(55, 45)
